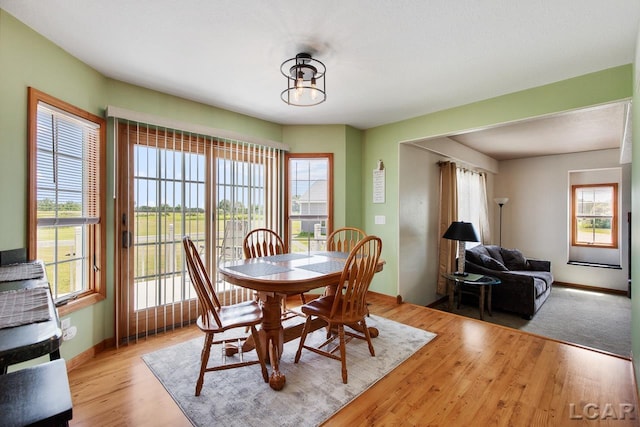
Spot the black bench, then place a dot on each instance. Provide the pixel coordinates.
(36, 396)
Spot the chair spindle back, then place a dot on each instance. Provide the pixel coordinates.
(356, 278)
(262, 242)
(344, 239)
(209, 303)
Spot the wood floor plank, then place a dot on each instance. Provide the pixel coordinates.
(472, 373)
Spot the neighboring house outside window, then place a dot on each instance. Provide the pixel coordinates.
(309, 200)
(314, 200)
(66, 198)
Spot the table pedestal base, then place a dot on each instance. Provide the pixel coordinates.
(273, 335)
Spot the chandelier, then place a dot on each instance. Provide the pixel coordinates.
(305, 81)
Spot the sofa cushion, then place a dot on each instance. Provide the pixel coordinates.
(514, 259)
(473, 254)
(538, 265)
(542, 280)
(540, 286)
(494, 252)
(492, 263)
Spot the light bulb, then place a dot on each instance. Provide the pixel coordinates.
(314, 89)
(299, 83)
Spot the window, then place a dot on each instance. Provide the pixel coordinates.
(594, 215)
(66, 223)
(309, 201)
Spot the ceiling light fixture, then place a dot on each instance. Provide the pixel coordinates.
(305, 81)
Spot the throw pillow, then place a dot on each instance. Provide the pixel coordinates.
(514, 259)
(473, 256)
(494, 251)
(492, 264)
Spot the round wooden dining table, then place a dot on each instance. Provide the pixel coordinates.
(274, 278)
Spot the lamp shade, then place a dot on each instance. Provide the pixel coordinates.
(461, 231)
(501, 200)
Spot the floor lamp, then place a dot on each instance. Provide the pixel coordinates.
(501, 201)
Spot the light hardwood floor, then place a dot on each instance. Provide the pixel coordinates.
(472, 373)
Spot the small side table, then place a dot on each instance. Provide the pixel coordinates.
(477, 284)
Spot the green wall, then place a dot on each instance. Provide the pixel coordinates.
(139, 99)
(353, 184)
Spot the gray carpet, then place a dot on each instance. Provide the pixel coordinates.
(313, 392)
(592, 319)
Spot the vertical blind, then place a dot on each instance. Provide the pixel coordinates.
(181, 183)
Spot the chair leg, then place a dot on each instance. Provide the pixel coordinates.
(365, 329)
(303, 337)
(343, 355)
(206, 349)
(329, 328)
(261, 354)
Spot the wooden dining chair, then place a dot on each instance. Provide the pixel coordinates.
(266, 242)
(344, 239)
(216, 318)
(347, 307)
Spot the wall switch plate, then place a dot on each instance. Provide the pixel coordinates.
(65, 323)
(380, 219)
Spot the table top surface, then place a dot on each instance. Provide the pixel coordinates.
(473, 279)
(291, 273)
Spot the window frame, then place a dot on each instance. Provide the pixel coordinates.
(287, 198)
(96, 274)
(614, 217)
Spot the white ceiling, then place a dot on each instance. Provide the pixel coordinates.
(386, 60)
(589, 129)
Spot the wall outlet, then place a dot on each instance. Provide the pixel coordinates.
(69, 333)
(66, 323)
(380, 219)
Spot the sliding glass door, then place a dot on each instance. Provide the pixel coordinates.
(173, 184)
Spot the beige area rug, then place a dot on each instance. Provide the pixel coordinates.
(314, 390)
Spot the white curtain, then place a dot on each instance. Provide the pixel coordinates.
(472, 202)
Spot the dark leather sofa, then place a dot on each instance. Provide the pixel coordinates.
(526, 283)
